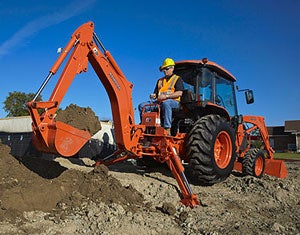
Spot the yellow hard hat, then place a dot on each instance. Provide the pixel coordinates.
(167, 62)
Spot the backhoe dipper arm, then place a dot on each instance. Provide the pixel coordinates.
(57, 137)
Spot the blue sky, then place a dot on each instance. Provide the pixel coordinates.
(257, 41)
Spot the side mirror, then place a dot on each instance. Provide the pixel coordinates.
(249, 96)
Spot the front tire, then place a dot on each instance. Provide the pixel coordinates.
(254, 163)
(211, 149)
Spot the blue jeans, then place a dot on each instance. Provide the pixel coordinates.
(166, 108)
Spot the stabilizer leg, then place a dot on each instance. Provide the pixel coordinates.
(174, 163)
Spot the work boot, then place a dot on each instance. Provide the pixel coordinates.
(168, 130)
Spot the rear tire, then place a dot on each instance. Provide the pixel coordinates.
(211, 150)
(254, 163)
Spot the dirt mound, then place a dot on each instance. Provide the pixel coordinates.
(60, 189)
(81, 118)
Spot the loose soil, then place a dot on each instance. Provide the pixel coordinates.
(82, 118)
(38, 196)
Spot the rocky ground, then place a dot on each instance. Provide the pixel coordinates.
(57, 197)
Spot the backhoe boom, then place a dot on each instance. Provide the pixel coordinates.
(84, 49)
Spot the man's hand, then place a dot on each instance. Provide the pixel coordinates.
(153, 96)
(162, 97)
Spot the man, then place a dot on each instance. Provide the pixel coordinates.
(168, 91)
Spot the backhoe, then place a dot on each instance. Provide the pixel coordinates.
(207, 132)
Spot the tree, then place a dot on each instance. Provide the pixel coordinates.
(15, 103)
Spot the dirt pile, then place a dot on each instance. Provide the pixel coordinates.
(81, 118)
(22, 189)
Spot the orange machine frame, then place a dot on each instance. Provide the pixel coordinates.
(59, 138)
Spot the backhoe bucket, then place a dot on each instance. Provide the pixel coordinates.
(61, 139)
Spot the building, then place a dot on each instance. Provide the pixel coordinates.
(16, 132)
(285, 138)
(293, 127)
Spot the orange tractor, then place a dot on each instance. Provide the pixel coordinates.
(207, 132)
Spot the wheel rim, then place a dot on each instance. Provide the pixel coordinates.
(259, 165)
(223, 149)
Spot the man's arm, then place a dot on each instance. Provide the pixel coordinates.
(174, 95)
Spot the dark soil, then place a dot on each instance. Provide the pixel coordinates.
(23, 190)
(79, 117)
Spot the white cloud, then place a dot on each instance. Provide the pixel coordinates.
(43, 22)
